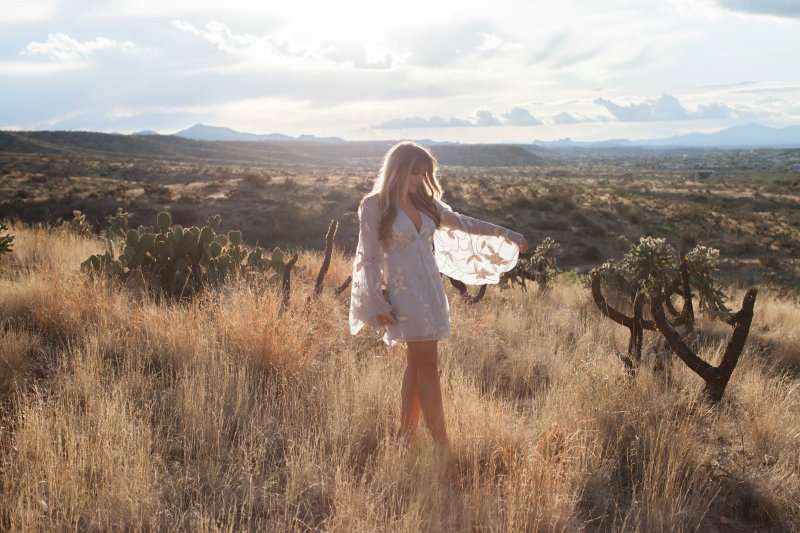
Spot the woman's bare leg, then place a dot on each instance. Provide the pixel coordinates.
(410, 408)
(424, 357)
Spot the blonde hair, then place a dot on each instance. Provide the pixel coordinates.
(391, 186)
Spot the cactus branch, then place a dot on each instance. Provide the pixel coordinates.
(343, 286)
(461, 287)
(610, 312)
(687, 312)
(286, 283)
(326, 263)
(716, 378)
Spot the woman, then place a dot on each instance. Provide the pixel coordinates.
(396, 284)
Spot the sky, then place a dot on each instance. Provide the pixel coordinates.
(455, 70)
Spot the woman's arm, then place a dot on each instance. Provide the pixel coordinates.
(450, 220)
(473, 251)
(366, 296)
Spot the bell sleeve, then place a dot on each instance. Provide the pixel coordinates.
(471, 250)
(366, 295)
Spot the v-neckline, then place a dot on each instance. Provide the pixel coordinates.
(413, 224)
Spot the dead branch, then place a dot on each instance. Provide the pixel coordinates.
(326, 263)
(343, 286)
(286, 283)
(461, 287)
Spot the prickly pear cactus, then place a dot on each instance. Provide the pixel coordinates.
(185, 260)
(6, 241)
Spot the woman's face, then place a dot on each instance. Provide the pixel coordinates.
(414, 179)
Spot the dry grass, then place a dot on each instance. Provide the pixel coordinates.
(119, 412)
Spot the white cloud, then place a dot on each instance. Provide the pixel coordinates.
(697, 9)
(665, 107)
(564, 118)
(776, 8)
(485, 118)
(268, 50)
(419, 122)
(519, 116)
(62, 47)
(492, 42)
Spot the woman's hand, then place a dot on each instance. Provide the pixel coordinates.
(387, 319)
(523, 246)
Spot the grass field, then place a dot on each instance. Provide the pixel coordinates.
(122, 413)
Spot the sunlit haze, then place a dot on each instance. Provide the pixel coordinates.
(468, 71)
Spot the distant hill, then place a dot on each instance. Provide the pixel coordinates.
(747, 136)
(202, 132)
(319, 153)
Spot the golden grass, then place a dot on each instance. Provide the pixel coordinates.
(120, 412)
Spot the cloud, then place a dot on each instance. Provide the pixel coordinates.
(564, 118)
(519, 116)
(665, 107)
(713, 111)
(577, 57)
(485, 118)
(446, 45)
(262, 49)
(418, 122)
(553, 45)
(777, 8)
(221, 36)
(62, 47)
(769, 89)
(355, 55)
(493, 42)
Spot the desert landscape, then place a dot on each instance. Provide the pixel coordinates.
(123, 408)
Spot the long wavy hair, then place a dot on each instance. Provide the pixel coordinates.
(391, 186)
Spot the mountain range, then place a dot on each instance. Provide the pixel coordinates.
(202, 132)
(751, 135)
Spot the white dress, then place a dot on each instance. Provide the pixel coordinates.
(403, 276)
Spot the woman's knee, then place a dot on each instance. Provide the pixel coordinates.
(424, 358)
(421, 349)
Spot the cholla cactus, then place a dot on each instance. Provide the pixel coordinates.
(118, 223)
(649, 262)
(541, 267)
(547, 252)
(78, 224)
(650, 268)
(701, 263)
(544, 262)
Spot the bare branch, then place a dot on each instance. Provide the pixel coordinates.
(286, 283)
(326, 263)
(343, 286)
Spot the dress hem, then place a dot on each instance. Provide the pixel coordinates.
(394, 342)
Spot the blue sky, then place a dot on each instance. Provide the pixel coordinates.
(465, 70)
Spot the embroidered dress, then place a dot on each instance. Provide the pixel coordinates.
(408, 268)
